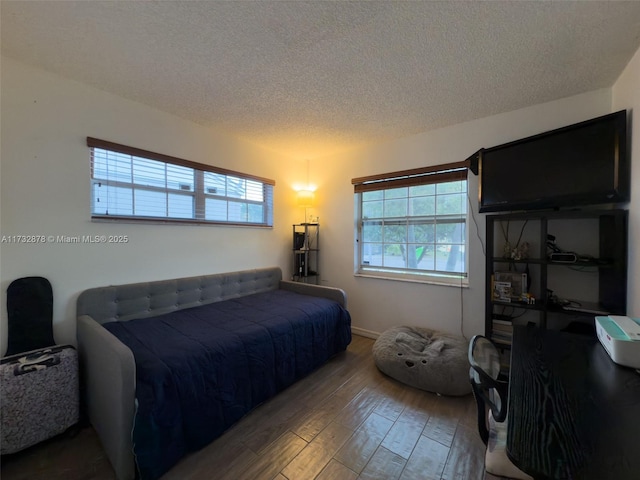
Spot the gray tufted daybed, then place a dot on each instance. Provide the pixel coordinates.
(236, 339)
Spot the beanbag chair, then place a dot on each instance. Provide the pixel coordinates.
(425, 359)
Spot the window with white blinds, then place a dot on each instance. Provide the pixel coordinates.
(133, 184)
(412, 224)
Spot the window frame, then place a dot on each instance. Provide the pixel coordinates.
(199, 191)
(437, 174)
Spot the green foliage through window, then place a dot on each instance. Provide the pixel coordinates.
(414, 229)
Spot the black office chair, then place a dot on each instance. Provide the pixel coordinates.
(491, 395)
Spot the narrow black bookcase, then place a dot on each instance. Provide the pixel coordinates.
(306, 252)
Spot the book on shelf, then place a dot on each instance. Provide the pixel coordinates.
(503, 335)
(503, 325)
(502, 291)
(509, 286)
(502, 328)
(499, 321)
(502, 332)
(501, 340)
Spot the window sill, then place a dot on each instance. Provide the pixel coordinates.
(172, 221)
(430, 280)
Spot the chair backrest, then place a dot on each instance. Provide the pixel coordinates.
(30, 315)
(488, 390)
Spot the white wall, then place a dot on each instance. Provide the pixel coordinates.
(45, 190)
(626, 95)
(375, 304)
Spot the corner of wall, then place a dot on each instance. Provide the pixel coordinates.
(626, 95)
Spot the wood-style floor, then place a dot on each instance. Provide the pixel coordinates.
(345, 421)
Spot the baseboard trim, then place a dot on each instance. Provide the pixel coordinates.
(365, 333)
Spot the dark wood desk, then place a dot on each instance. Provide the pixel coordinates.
(573, 413)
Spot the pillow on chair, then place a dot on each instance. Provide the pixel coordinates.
(496, 461)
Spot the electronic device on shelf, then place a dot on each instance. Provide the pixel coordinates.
(581, 164)
(556, 255)
(563, 257)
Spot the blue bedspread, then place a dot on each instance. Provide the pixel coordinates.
(199, 370)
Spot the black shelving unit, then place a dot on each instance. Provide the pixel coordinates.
(306, 250)
(561, 293)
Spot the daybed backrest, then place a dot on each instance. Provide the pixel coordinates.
(118, 303)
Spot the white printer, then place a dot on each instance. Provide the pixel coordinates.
(620, 337)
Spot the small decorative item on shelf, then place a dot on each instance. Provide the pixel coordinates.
(510, 287)
(519, 251)
(506, 250)
(528, 299)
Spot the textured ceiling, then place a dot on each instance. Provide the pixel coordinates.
(310, 78)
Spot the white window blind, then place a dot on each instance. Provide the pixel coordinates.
(129, 183)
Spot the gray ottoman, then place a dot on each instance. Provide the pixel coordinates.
(425, 359)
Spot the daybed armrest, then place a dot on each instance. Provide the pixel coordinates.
(332, 293)
(109, 380)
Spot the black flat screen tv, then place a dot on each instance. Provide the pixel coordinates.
(578, 165)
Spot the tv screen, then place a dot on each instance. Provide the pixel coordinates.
(582, 164)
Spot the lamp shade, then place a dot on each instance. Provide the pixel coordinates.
(305, 198)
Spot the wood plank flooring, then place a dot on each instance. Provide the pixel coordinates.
(346, 421)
